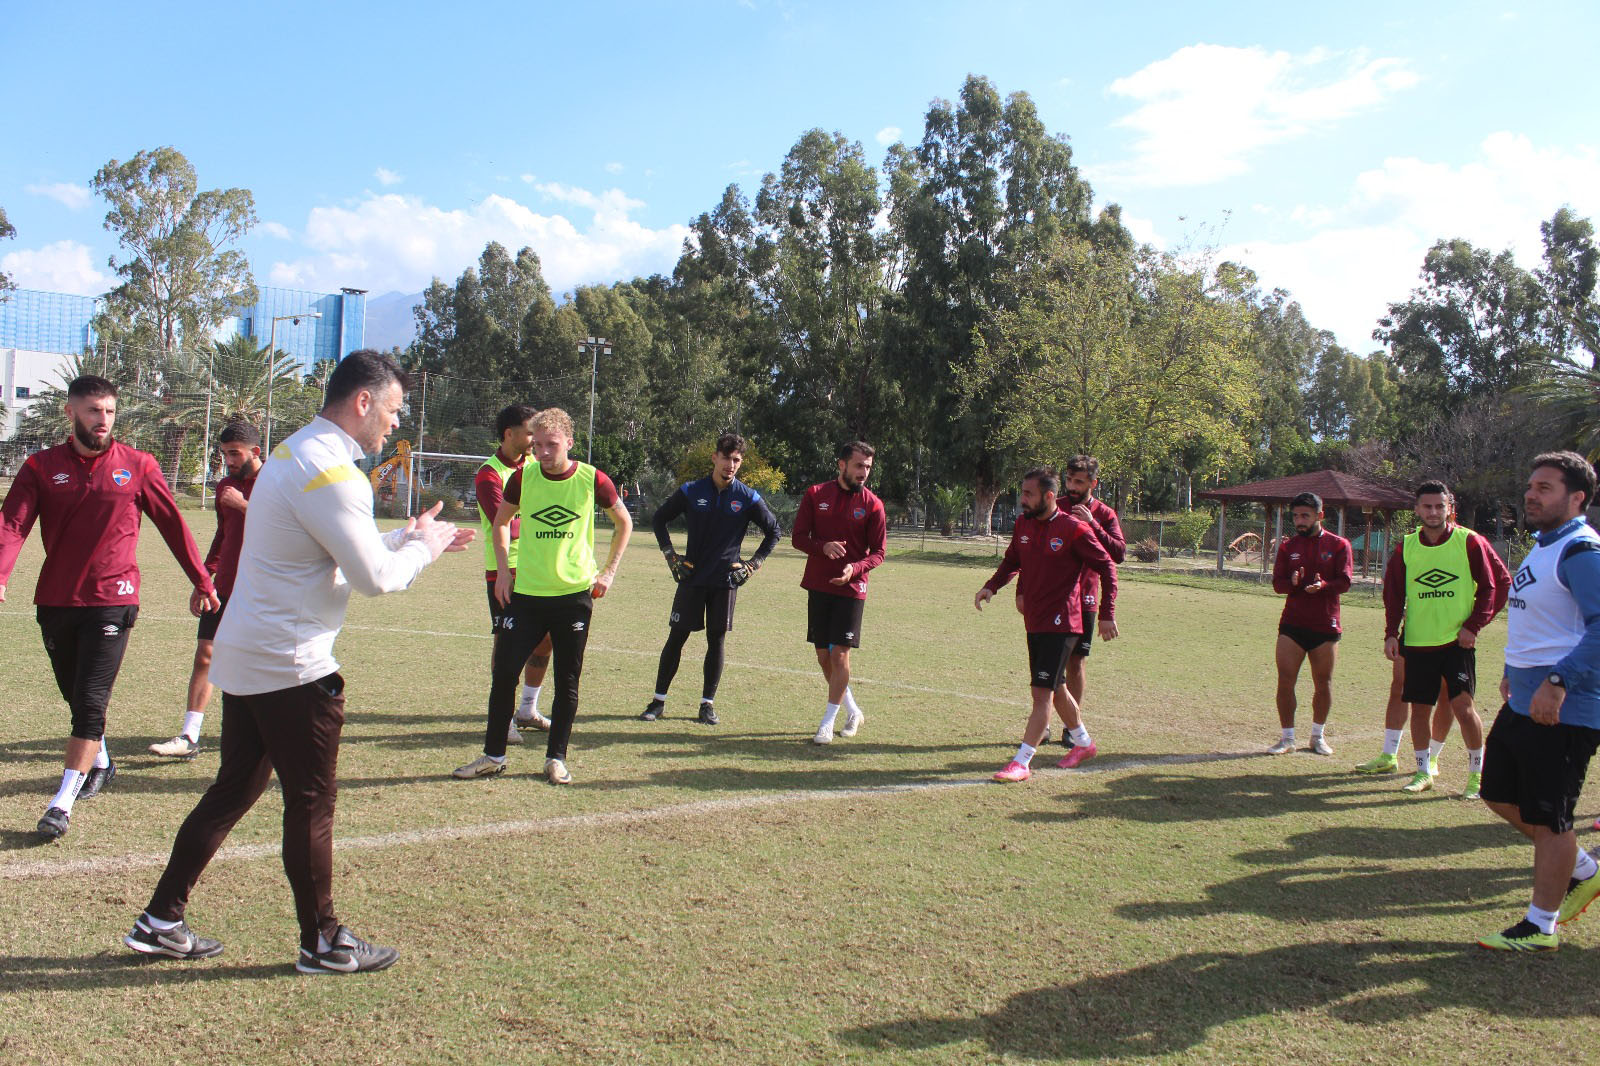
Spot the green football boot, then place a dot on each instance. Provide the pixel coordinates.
(1524, 936)
(1382, 764)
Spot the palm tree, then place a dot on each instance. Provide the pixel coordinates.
(1571, 393)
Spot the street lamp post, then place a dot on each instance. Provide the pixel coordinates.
(272, 370)
(595, 346)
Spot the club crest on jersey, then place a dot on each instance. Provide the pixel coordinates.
(121, 477)
(1055, 544)
(861, 512)
(736, 506)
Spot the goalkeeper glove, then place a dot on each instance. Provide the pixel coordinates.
(681, 568)
(741, 572)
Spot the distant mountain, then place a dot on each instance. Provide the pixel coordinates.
(390, 322)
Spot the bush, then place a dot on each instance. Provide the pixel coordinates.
(754, 471)
(1147, 550)
(1191, 528)
(452, 509)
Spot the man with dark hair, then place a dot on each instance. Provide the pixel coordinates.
(1446, 583)
(1313, 569)
(1549, 726)
(841, 528)
(87, 495)
(1080, 481)
(241, 454)
(514, 430)
(309, 539)
(555, 586)
(717, 510)
(1050, 548)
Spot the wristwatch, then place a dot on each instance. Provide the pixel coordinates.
(1557, 680)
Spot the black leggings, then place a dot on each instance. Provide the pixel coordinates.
(523, 626)
(672, 652)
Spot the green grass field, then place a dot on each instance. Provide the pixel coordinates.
(738, 895)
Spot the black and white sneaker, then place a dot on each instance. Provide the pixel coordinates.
(348, 954)
(707, 715)
(54, 823)
(655, 709)
(97, 779)
(179, 942)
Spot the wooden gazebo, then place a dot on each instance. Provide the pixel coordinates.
(1339, 492)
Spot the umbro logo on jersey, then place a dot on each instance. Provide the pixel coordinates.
(1523, 579)
(61, 479)
(577, 627)
(1023, 539)
(555, 515)
(121, 477)
(110, 631)
(701, 502)
(849, 636)
(823, 506)
(1435, 578)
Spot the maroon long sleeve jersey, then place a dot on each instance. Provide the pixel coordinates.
(1052, 555)
(1324, 557)
(222, 560)
(89, 510)
(857, 519)
(1108, 531)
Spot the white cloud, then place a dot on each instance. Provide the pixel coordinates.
(1206, 109)
(388, 241)
(1143, 230)
(888, 135)
(530, 178)
(73, 197)
(1367, 252)
(613, 168)
(276, 229)
(65, 266)
(386, 176)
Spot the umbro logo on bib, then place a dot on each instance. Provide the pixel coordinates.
(1523, 579)
(555, 516)
(1435, 578)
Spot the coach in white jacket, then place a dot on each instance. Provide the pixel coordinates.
(309, 538)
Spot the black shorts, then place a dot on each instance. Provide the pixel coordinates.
(1047, 658)
(1456, 666)
(833, 620)
(1086, 638)
(1540, 768)
(1308, 639)
(86, 645)
(209, 620)
(496, 611)
(694, 607)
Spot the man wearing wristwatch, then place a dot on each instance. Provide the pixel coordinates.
(717, 511)
(1541, 743)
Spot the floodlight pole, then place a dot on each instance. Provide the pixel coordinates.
(272, 348)
(593, 345)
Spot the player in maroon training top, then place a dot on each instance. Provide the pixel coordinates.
(841, 528)
(1312, 569)
(87, 496)
(1051, 549)
(241, 453)
(1080, 478)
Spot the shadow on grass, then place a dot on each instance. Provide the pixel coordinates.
(1173, 1005)
(77, 973)
(1160, 796)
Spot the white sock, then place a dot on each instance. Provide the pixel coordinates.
(1545, 920)
(1288, 734)
(829, 713)
(495, 758)
(530, 701)
(323, 944)
(1025, 754)
(102, 758)
(659, 697)
(1474, 760)
(1391, 741)
(1317, 728)
(1422, 761)
(1586, 866)
(1434, 748)
(191, 724)
(1080, 737)
(160, 924)
(71, 782)
(849, 701)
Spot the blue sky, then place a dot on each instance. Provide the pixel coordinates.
(385, 143)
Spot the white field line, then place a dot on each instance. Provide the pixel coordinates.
(120, 864)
